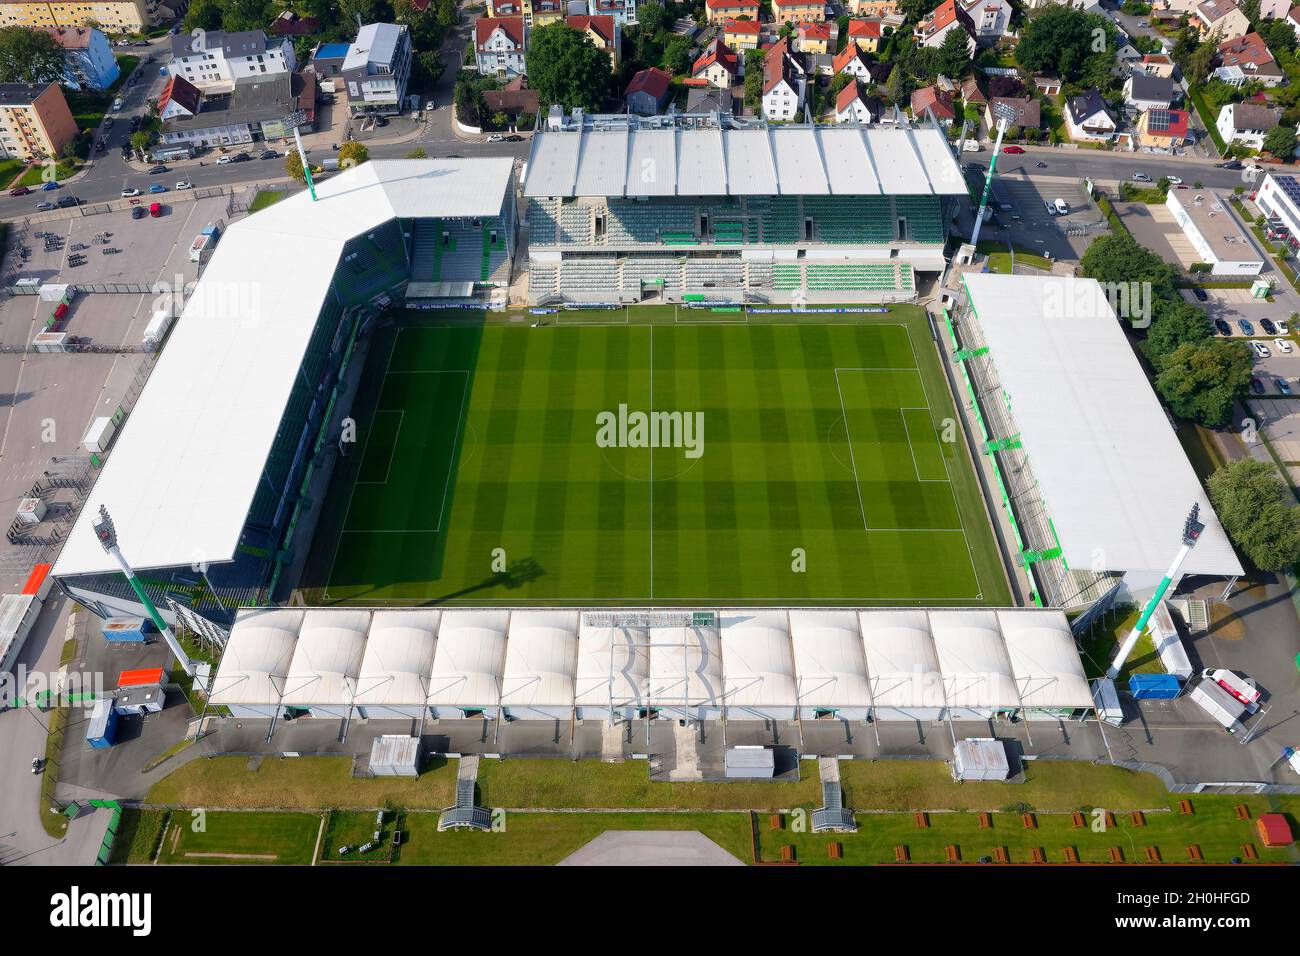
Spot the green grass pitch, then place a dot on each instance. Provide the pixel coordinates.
(823, 474)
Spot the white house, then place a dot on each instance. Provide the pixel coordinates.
(1247, 123)
(852, 107)
(1143, 92)
(1278, 197)
(214, 60)
(933, 30)
(784, 83)
(990, 19)
(1087, 118)
(1214, 231)
(499, 46)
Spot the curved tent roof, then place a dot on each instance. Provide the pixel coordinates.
(758, 664)
(902, 665)
(829, 659)
(541, 659)
(613, 665)
(1045, 659)
(468, 662)
(327, 660)
(685, 665)
(256, 661)
(399, 658)
(973, 659)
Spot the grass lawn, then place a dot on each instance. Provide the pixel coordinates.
(9, 169)
(816, 435)
(36, 175)
(355, 829)
(266, 198)
(1207, 119)
(243, 839)
(1102, 640)
(138, 834)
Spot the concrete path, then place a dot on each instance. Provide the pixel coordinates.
(651, 848)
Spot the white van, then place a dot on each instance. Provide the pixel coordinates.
(117, 104)
(971, 146)
(1062, 208)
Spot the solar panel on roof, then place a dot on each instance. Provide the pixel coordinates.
(1290, 187)
(1158, 119)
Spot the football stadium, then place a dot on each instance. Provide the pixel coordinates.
(345, 409)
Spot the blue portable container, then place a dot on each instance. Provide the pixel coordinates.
(131, 630)
(1153, 686)
(101, 732)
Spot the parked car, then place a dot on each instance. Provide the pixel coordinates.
(268, 154)
(1013, 150)
(241, 158)
(52, 184)
(184, 184)
(1062, 207)
(1051, 210)
(157, 188)
(141, 42)
(1141, 178)
(156, 170)
(1230, 164)
(1256, 386)
(1282, 386)
(1283, 346)
(1223, 327)
(38, 764)
(155, 209)
(19, 191)
(108, 122)
(68, 201)
(1174, 180)
(1201, 295)
(514, 138)
(1261, 350)
(1268, 326)
(1282, 327)
(496, 138)
(225, 160)
(45, 206)
(129, 192)
(1246, 326)
(137, 212)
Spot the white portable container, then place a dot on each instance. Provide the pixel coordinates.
(99, 436)
(31, 511)
(157, 328)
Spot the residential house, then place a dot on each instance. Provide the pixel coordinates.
(111, 16)
(88, 61)
(972, 94)
(647, 94)
(1143, 92)
(35, 122)
(784, 83)
(255, 109)
(1251, 54)
(1162, 129)
(719, 11)
(1128, 59)
(289, 24)
(873, 8)
(1220, 18)
(1158, 64)
(1247, 123)
(623, 11)
(500, 46)
(1274, 9)
(179, 97)
(710, 99)
(932, 101)
(604, 33)
(851, 106)
(865, 34)
(797, 11)
(991, 19)
(377, 69)
(215, 60)
(512, 8)
(1021, 111)
(1293, 18)
(718, 65)
(1048, 83)
(814, 37)
(1087, 118)
(514, 99)
(852, 61)
(546, 12)
(947, 16)
(741, 35)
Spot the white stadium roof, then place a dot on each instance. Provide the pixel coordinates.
(613, 664)
(327, 658)
(184, 469)
(901, 662)
(257, 657)
(973, 659)
(759, 662)
(399, 658)
(541, 659)
(787, 160)
(1116, 482)
(685, 666)
(469, 660)
(1044, 659)
(828, 658)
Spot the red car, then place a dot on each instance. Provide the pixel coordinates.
(19, 191)
(1013, 150)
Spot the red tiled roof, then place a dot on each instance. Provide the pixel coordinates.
(845, 57)
(1248, 49)
(815, 31)
(747, 27)
(870, 29)
(289, 24)
(603, 24)
(1176, 128)
(846, 97)
(938, 101)
(717, 52)
(185, 93)
(744, 6)
(774, 64)
(484, 27)
(653, 81)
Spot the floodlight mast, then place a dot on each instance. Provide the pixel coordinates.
(1192, 528)
(293, 121)
(988, 182)
(107, 535)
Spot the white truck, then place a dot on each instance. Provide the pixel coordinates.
(1238, 685)
(1226, 710)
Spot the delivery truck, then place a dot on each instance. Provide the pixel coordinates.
(99, 436)
(1238, 685)
(1226, 710)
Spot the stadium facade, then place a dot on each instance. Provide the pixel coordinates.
(627, 209)
(210, 475)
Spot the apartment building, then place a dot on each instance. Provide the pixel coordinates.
(35, 122)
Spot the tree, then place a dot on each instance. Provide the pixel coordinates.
(954, 55)
(567, 68)
(293, 166)
(29, 56)
(1250, 8)
(1118, 260)
(204, 15)
(417, 153)
(140, 142)
(1179, 323)
(651, 16)
(352, 153)
(677, 54)
(1199, 63)
(898, 88)
(1079, 46)
(1280, 141)
(1200, 381)
(754, 81)
(916, 10)
(239, 15)
(1258, 513)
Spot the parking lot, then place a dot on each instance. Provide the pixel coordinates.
(1028, 224)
